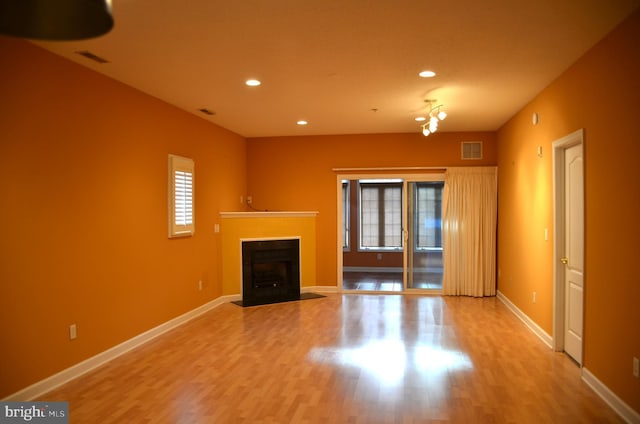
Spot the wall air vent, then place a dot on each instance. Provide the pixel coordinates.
(92, 56)
(207, 111)
(471, 150)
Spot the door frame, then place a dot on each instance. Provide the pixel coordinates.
(406, 217)
(559, 147)
(359, 175)
(408, 174)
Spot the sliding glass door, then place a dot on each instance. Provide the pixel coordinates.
(423, 246)
(391, 232)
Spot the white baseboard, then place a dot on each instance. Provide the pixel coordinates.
(535, 328)
(41, 387)
(617, 404)
(319, 289)
(233, 298)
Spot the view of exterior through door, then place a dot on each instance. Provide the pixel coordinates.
(424, 235)
(392, 233)
(573, 258)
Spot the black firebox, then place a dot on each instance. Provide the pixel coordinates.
(270, 271)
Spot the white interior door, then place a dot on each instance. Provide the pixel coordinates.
(573, 259)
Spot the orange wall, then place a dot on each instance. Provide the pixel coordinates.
(295, 173)
(83, 215)
(600, 93)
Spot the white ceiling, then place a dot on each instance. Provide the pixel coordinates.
(333, 62)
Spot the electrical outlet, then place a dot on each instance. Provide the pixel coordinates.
(636, 367)
(379, 256)
(216, 228)
(534, 297)
(199, 284)
(73, 332)
(249, 200)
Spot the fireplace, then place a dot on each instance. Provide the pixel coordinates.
(270, 271)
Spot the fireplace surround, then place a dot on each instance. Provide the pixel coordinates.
(270, 271)
(238, 227)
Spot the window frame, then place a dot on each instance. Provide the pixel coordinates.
(381, 184)
(346, 215)
(416, 217)
(180, 164)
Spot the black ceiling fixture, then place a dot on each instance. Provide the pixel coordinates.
(60, 20)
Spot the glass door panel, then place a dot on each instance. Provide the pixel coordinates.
(424, 235)
(372, 229)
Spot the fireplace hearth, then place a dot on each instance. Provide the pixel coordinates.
(270, 271)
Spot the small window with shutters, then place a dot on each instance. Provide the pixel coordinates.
(181, 212)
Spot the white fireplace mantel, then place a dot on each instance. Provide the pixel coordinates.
(269, 214)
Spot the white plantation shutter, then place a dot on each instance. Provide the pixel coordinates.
(181, 212)
(183, 183)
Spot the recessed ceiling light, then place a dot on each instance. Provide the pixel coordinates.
(302, 122)
(420, 118)
(253, 82)
(427, 74)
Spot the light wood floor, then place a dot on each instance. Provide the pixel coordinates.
(388, 281)
(341, 359)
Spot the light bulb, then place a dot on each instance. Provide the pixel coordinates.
(425, 131)
(441, 115)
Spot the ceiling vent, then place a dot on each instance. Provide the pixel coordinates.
(471, 150)
(91, 56)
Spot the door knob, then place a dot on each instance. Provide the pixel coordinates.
(564, 260)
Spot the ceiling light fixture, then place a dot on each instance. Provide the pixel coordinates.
(302, 122)
(427, 74)
(60, 20)
(436, 114)
(253, 82)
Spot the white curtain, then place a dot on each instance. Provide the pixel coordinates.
(469, 208)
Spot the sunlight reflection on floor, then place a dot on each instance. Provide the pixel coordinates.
(389, 359)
